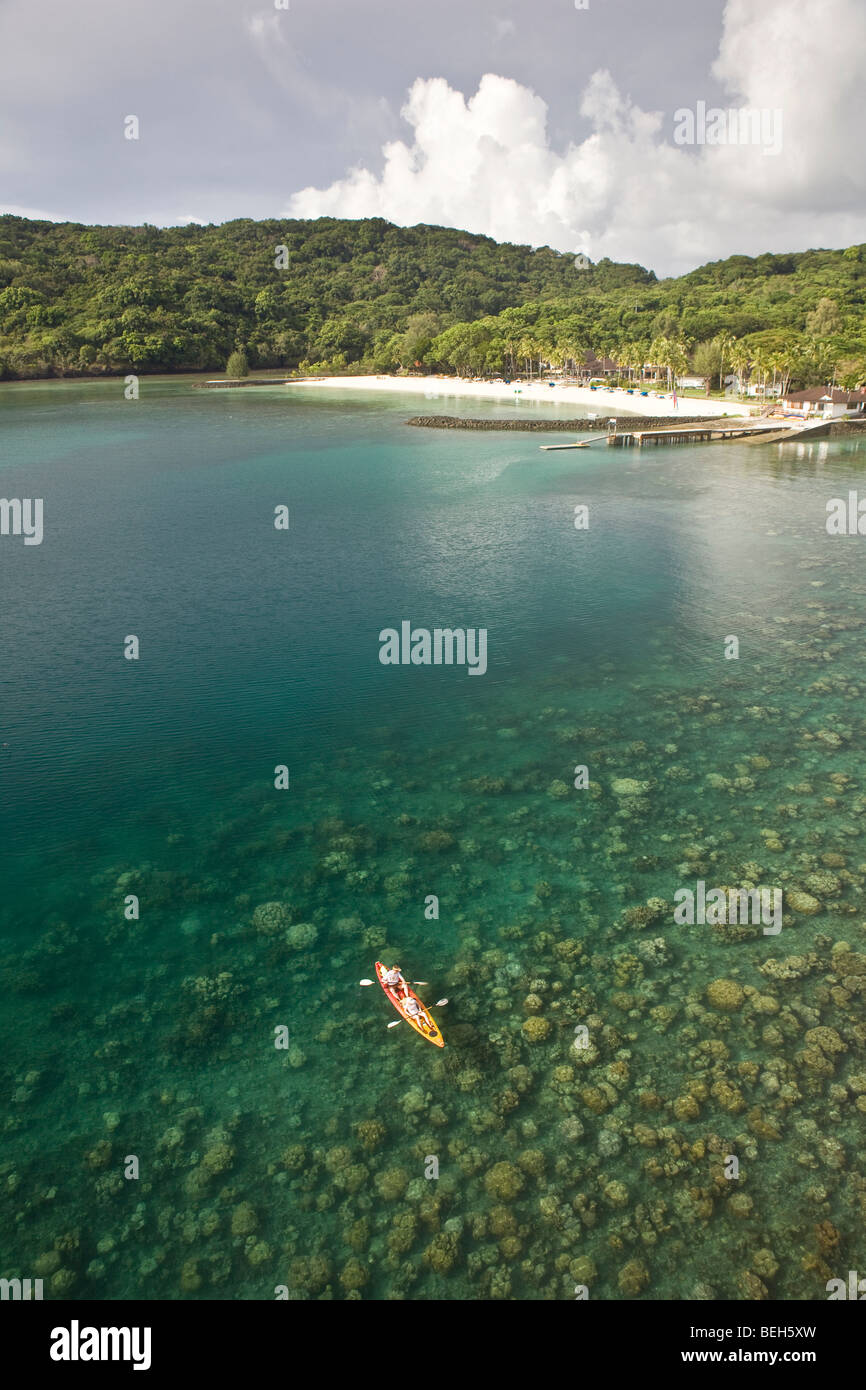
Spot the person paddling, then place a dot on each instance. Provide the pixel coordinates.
(394, 980)
(414, 1010)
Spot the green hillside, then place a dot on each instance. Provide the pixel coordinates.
(78, 300)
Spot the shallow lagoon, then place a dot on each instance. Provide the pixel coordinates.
(259, 1167)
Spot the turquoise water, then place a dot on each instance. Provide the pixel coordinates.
(306, 1167)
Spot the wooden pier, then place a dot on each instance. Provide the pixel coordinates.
(761, 431)
(691, 434)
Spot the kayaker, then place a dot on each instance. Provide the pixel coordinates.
(394, 980)
(414, 1010)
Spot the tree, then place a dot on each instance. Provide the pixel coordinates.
(630, 356)
(724, 341)
(855, 375)
(553, 354)
(339, 334)
(678, 360)
(512, 327)
(528, 349)
(824, 321)
(420, 332)
(573, 352)
(494, 360)
(740, 359)
(670, 354)
(183, 297)
(237, 365)
(387, 353)
(760, 368)
(786, 363)
(706, 360)
(659, 350)
(463, 347)
(641, 349)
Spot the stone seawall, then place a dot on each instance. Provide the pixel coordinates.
(631, 422)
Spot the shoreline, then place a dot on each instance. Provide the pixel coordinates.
(603, 400)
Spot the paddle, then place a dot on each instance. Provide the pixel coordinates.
(409, 982)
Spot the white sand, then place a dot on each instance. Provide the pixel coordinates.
(444, 390)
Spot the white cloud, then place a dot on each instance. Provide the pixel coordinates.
(35, 214)
(626, 190)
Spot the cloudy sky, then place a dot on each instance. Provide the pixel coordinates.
(543, 121)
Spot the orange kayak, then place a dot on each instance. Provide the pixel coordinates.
(424, 1023)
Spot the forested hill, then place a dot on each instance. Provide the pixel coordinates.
(328, 293)
(75, 297)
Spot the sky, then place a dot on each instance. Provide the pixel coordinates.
(571, 123)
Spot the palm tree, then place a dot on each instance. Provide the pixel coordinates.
(631, 357)
(774, 362)
(670, 354)
(757, 367)
(724, 341)
(659, 351)
(511, 346)
(553, 354)
(641, 349)
(786, 360)
(740, 359)
(678, 360)
(571, 352)
(526, 350)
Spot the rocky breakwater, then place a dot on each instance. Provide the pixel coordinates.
(632, 422)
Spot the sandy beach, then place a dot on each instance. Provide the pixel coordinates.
(602, 400)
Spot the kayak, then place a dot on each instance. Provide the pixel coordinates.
(424, 1024)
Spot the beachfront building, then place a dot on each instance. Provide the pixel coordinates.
(765, 390)
(593, 367)
(651, 371)
(835, 404)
